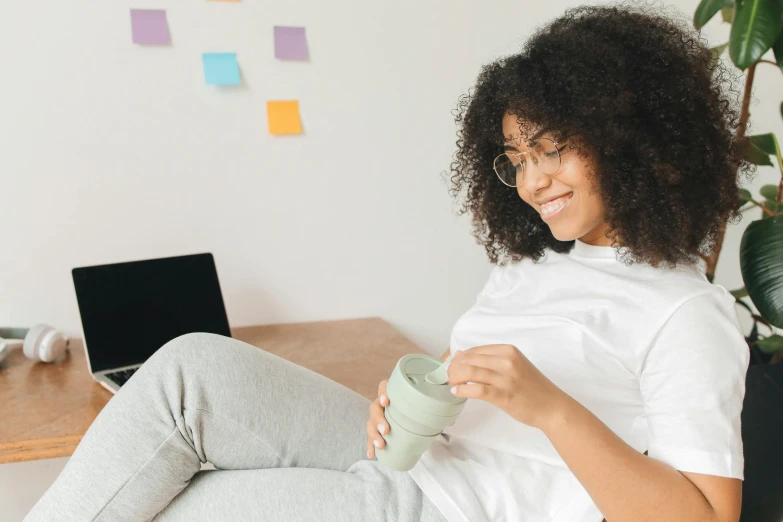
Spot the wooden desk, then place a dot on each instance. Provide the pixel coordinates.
(47, 408)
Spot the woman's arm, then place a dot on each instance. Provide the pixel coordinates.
(627, 485)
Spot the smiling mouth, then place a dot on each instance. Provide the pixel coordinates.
(551, 209)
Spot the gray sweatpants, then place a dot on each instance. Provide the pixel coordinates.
(288, 444)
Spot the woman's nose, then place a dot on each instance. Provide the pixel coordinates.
(532, 179)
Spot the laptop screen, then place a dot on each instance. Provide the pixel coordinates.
(129, 310)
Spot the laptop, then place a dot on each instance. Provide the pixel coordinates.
(129, 310)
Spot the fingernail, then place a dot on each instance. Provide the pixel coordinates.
(383, 399)
(368, 455)
(381, 428)
(376, 443)
(453, 390)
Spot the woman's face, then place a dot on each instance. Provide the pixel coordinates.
(582, 213)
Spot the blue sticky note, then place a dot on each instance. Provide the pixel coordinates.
(221, 68)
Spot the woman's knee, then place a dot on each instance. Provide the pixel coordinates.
(190, 347)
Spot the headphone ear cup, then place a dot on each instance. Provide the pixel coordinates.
(44, 343)
(32, 340)
(53, 346)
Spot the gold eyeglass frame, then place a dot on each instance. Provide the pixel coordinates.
(519, 157)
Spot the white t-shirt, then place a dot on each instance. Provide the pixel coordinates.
(657, 354)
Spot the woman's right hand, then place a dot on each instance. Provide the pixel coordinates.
(377, 426)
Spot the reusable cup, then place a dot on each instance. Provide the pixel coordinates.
(419, 409)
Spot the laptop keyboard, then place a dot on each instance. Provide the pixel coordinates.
(122, 376)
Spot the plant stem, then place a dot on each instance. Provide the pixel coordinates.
(763, 208)
(745, 110)
(712, 262)
(779, 197)
(762, 321)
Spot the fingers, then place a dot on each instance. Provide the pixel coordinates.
(490, 349)
(376, 428)
(484, 360)
(377, 425)
(382, 387)
(463, 373)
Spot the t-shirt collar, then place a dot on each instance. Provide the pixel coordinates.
(587, 250)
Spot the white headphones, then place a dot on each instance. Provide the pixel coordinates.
(39, 343)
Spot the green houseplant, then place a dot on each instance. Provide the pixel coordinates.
(757, 27)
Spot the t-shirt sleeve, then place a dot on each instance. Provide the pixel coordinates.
(692, 382)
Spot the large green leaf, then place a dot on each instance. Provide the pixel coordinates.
(753, 154)
(778, 50)
(771, 344)
(705, 12)
(773, 206)
(761, 263)
(727, 13)
(768, 144)
(765, 142)
(745, 195)
(755, 28)
(769, 192)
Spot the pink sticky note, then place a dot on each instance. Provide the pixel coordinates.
(290, 43)
(149, 27)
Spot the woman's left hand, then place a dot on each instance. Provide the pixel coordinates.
(500, 374)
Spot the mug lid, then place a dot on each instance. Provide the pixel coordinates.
(408, 383)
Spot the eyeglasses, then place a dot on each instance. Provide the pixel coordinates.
(511, 166)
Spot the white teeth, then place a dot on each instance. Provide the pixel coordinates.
(548, 208)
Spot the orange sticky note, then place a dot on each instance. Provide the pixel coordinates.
(283, 117)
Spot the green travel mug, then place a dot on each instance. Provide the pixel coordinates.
(420, 408)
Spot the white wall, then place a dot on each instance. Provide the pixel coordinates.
(114, 152)
(119, 152)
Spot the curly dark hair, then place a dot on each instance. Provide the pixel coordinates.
(637, 93)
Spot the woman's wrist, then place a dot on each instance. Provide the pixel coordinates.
(558, 414)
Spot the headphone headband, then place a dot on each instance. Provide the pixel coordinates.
(13, 333)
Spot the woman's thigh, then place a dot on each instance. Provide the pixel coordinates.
(252, 409)
(366, 492)
(200, 398)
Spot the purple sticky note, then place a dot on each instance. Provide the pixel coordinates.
(149, 27)
(290, 43)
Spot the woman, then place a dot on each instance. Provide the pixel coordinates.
(606, 373)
